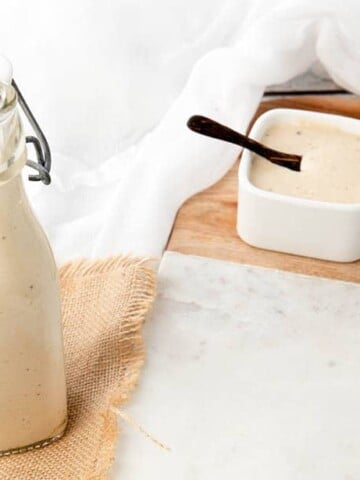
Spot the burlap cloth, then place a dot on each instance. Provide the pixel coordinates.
(104, 306)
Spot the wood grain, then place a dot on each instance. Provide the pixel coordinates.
(206, 223)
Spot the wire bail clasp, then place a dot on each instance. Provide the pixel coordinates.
(41, 146)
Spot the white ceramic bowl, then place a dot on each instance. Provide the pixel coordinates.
(273, 221)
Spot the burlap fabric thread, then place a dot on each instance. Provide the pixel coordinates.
(104, 306)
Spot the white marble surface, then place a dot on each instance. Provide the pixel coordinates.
(251, 373)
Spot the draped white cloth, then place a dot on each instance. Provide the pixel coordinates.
(113, 84)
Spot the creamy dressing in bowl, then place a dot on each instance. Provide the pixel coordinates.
(330, 167)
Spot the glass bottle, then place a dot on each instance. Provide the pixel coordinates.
(33, 409)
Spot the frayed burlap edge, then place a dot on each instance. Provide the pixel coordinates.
(143, 295)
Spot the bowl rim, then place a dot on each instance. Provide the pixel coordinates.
(343, 122)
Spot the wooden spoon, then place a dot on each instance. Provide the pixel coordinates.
(210, 128)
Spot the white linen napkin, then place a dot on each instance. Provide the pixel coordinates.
(99, 80)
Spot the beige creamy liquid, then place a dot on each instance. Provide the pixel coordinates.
(32, 393)
(330, 168)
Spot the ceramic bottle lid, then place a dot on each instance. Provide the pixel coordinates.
(6, 69)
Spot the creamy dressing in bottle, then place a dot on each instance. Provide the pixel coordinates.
(33, 407)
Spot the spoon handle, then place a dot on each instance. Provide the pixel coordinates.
(211, 128)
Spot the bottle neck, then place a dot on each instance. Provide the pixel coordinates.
(14, 203)
(12, 138)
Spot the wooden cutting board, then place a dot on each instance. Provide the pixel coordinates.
(206, 223)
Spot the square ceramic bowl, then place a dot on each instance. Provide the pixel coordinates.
(329, 231)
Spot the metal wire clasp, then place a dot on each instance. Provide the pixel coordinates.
(41, 146)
